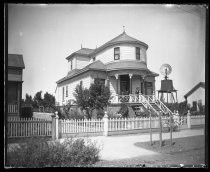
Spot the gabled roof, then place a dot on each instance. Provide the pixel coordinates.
(82, 52)
(97, 65)
(200, 84)
(15, 60)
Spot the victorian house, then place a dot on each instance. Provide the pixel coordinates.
(120, 63)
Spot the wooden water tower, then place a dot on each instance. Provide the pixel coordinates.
(166, 91)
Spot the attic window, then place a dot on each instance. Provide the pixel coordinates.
(137, 53)
(117, 53)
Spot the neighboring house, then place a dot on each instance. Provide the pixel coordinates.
(121, 63)
(196, 95)
(15, 71)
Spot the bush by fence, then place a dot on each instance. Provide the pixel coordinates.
(40, 153)
(26, 112)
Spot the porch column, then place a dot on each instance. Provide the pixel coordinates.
(116, 76)
(130, 76)
(143, 77)
(18, 97)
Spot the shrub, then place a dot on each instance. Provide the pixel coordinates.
(124, 111)
(40, 153)
(26, 112)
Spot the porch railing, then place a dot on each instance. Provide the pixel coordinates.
(132, 98)
(12, 108)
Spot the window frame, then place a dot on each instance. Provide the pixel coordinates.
(66, 90)
(117, 53)
(138, 53)
(63, 94)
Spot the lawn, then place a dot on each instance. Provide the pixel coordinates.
(188, 151)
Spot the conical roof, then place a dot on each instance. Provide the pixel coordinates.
(122, 38)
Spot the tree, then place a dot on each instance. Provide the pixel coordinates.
(82, 97)
(28, 100)
(49, 100)
(38, 101)
(99, 95)
(96, 97)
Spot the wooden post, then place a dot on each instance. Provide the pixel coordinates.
(160, 124)
(130, 76)
(171, 128)
(105, 119)
(188, 119)
(55, 126)
(150, 125)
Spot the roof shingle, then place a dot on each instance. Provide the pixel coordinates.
(15, 60)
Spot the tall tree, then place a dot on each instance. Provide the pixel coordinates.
(38, 101)
(28, 100)
(49, 100)
(82, 97)
(99, 95)
(96, 97)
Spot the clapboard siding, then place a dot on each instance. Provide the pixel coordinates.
(127, 52)
(82, 62)
(71, 89)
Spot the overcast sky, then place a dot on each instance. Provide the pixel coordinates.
(46, 34)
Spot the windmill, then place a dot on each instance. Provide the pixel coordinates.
(167, 85)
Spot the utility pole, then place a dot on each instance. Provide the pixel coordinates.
(160, 124)
(171, 128)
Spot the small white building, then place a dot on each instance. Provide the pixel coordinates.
(196, 95)
(121, 63)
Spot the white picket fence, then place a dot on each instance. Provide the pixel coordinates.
(197, 120)
(12, 108)
(117, 124)
(82, 126)
(22, 127)
(18, 127)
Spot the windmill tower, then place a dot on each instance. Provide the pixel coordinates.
(166, 91)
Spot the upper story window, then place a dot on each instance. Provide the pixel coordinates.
(117, 53)
(137, 53)
(67, 91)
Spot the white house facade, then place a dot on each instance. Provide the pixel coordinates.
(121, 64)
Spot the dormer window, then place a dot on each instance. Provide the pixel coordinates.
(117, 53)
(137, 53)
(94, 58)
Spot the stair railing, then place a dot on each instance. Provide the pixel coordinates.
(163, 107)
(146, 103)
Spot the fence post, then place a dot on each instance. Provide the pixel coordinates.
(55, 126)
(188, 119)
(105, 119)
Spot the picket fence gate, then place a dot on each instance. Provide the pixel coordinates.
(23, 127)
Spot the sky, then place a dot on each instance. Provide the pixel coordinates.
(46, 34)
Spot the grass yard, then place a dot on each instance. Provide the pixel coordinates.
(188, 151)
